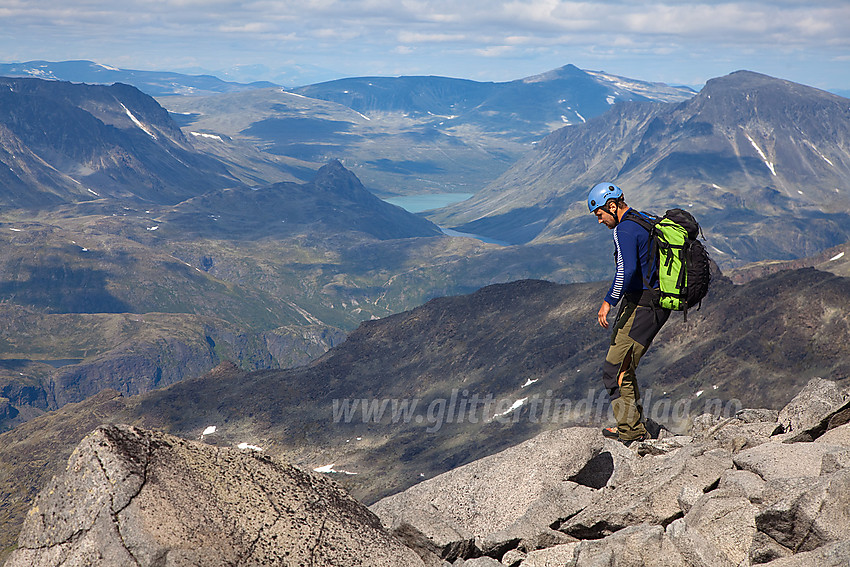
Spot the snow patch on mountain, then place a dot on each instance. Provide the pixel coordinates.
(137, 122)
(767, 162)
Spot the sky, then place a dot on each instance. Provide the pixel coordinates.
(297, 42)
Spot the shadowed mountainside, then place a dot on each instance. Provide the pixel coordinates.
(63, 142)
(334, 202)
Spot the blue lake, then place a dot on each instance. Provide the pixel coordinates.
(488, 240)
(429, 202)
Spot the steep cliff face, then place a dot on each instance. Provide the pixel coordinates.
(133, 497)
(134, 354)
(63, 142)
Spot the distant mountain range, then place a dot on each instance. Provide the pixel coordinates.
(527, 108)
(141, 246)
(154, 83)
(401, 135)
(762, 162)
(406, 135)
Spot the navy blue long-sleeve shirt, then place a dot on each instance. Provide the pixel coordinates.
(631, 247)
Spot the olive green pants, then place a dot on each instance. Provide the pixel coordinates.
(633, 332)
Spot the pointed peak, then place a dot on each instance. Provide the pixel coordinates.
(335, 177)
(334, 173)
(332, 165)
(566, 72)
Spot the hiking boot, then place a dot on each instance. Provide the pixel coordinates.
(610, 433)
(628, 442)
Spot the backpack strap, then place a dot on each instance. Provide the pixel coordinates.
(648, 222)
(645, 220)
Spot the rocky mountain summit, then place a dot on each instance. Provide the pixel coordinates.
(762, 487)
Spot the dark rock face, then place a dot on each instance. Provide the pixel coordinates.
(63, 142)
(135, 497)
(136, 367)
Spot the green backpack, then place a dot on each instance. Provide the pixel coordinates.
(684, 267)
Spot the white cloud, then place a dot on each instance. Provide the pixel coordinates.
(495, 50)
(450, 37)
(419, 37)
(248, 27)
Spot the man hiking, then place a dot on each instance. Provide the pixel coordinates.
(640, 316)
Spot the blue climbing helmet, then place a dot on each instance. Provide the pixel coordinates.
(600, 194)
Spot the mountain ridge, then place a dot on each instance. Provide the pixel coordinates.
(741, 155)
(154, 83)
(65, 143)
(411, 134)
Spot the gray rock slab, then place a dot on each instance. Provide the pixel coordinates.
(743, 483)
(134, 497)
(652, 497)
(477, 562)
(643, 545)
(834, 555)
(773, 461)
(738, 435)
(803, 514)
(717, 531)
(811, 405)
(703, 423)
(758, 415)
(561, 555)
(839, 436)
(511, 495)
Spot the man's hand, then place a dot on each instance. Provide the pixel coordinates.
(603, 314)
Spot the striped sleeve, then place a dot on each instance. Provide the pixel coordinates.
(616, 291)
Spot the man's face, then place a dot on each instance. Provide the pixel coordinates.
(605, 217)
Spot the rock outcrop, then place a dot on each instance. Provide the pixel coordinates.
(135, 497)
(492, 504)
(749, 490)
